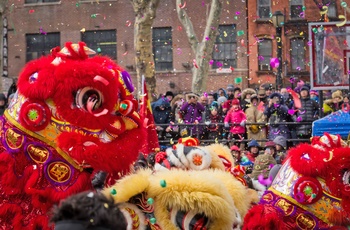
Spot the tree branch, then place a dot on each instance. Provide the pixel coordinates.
(187, 24)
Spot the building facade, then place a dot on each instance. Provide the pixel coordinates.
(295, 37)
(36, 26)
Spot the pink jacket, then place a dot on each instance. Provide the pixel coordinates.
(235, 118)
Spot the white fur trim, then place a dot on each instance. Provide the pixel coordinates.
(128, 217)
(206, 158)
(182, 155)
(172, 158)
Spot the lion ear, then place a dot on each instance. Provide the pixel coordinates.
(308, 160)
(37, 80)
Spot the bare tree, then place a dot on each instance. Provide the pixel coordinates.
(145, 13)
(203, 50)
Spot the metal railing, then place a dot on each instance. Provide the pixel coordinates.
(181, 126)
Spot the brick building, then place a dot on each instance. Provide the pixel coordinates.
(35, 26)
(295, 46)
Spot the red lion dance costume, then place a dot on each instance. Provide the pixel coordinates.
(73, 115)
(311, 190)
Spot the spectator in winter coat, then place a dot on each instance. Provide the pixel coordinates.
(236, 119)
(314, 95)
(281, 146)
(192, 112)
(307, 113)
(175, 117)
(245, 98)
(230, 92)
(253, 150)
(161, 113)
(334, 104)
(277, 112)
(236, 95)
(213, 121)
(254, 115)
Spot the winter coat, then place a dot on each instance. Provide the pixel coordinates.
(161, 116)
(275, 115)
(307, 113)
(256, 116)
(191, 113)
(235, 119)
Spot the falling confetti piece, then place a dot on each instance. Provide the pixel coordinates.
(82, 30)
(179, 51)
(31, 11)
(240, 33)
(343, 22)
(309, 43)
(238, 13)
(274, 62)
(182, 6)
(125, 53)
(195, 63)
(324, 10)
(211, 62)
(263, 181)
(128, 23)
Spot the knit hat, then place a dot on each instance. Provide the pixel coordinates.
(304, 87)
(214, 105)
(221, 100)
(280, 140)
(235, 148)
(230, 87)
(314, 92)
(253, 143)
(270, 144)
(235, 102)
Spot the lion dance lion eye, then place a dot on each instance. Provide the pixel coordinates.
(89, 99)
(346, 177)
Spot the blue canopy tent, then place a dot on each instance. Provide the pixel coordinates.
(335, 123)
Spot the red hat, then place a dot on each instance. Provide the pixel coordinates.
(270, 144)
(235, 148)
(235, 102)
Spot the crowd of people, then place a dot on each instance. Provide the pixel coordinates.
(240, 115)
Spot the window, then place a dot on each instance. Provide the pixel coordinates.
(264, 9)
(265, 54)
(40, 44)
(102, 41)
(225, 50)
(40, 1)
(297, 54)
(162, 48)
(332, 8)
(296, 9)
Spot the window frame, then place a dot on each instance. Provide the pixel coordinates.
(162, 48)
(95, 44)
(267, 17)
(300, 58)
(45, 49)
(267, 58)
(301, 4)
(229, 55)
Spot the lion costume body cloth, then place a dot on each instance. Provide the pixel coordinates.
(311, 190)
(73, 115)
